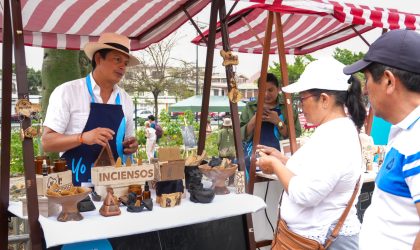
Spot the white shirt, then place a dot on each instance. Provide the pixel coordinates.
(152, 134)
(392, 221)
(327, 167)
(69, 107)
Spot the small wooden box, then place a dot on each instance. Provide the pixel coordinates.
(46, 208)
(169, 165)
(43, 183)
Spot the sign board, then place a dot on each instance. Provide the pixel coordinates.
(122, 175)
(188, 136)
(43, 183)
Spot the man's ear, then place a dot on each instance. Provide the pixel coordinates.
(97, 58)
(390, 81)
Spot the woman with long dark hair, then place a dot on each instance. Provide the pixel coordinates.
(320, 177)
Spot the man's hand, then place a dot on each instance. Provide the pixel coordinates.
(99, 136)
(130, 145)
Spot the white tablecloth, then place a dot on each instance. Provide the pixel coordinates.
(94, 226)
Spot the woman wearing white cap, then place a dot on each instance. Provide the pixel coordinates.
(319, 179)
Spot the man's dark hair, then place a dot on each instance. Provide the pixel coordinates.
(409, 79)
(102, 53)
(151, 117)
(270, 78)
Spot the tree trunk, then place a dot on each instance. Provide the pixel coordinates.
(155, 97)
(84, 63)
(58, 66)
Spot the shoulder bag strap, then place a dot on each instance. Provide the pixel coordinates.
(340, 222)
(346, 211)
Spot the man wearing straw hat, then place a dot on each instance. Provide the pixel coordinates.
(85, 114)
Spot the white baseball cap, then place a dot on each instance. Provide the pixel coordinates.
(324, 73)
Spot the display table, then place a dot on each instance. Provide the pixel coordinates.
(94, 226)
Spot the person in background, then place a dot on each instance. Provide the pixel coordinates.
(225, 141)
(392, 72)
(208, 127)
(88, 113)
(150, 141)
(151, 119)
(274, 125)
(320, 177)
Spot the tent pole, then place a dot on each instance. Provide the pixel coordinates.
(233, 106)
(360, 35)
(369, 118)
(285, 82)
(261, 93)
(27, 144)
(247, 219)
(203, 38)
(207, 76)
(252, 31)
(5, 125)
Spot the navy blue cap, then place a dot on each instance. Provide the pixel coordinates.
(397, 49)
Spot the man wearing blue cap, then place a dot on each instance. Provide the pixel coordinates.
(392, 72)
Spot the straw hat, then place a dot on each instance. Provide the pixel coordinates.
(111, 41)
(227, 122)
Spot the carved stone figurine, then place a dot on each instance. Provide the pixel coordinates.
(110, 207)
(198, 193)
(132, 206)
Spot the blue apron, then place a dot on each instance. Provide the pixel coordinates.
(81, 159)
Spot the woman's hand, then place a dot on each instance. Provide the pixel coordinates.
(273, 152)
(130, 145)
(268, 163)
(270, 116)
(99, 136)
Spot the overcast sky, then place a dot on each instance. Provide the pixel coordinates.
(249, 64)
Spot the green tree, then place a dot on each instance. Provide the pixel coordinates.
(154, 75)
(346, 56)
(84, 64)
(58, 66)
(34, 81)
(183, 76)
(33, 77)
(153, 78)
(294, 70)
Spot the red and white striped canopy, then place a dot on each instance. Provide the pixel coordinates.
(70, 24)
(309, 25)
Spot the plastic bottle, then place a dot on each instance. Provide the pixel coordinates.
(44, 168)
(146, 192)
